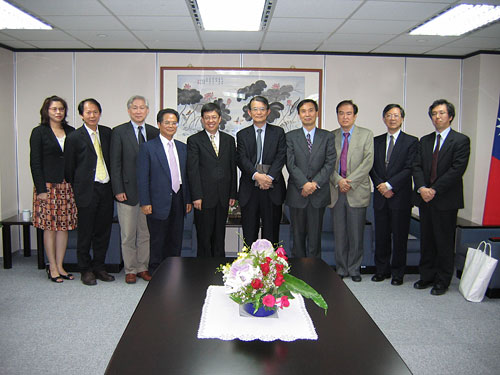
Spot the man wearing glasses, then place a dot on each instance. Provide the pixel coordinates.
(391, 175)
(261, 154)
(440, 163)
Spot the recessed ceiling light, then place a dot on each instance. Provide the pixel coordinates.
(459, 20)
(231, 15)
(13, 18)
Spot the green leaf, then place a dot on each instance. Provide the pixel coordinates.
(298, 286)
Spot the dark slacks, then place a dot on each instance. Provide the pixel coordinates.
(306, 225)
(211, 231)
(437, 244)
(165, 236)
(348, 228)
(94, 228)
(261, 208)
(391, 224)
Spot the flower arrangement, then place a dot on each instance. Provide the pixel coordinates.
(260, 275)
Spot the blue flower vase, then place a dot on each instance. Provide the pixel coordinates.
(261, 311)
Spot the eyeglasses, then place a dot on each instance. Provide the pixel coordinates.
(261, 109)
(174, 123)
(440, 113)
(394, 116)
(57, 109)
(208, 118)
(90, 113)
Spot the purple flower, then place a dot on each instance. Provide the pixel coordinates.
(260, 246)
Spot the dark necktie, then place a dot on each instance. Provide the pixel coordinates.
(435, 155)
(140, 137)
(389, 151)
(259, 146)
(309, 143)
(343, 156)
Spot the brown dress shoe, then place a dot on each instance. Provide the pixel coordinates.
(144, 275)
(88, 278)
(130, 278)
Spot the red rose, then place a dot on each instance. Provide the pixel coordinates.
(265, 268)
(279, 267)
(268, 260)
(269, 300)
(257, 284)
(284, 302)
(280, 251)
(279, 279)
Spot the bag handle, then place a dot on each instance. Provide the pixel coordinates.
(485, 245)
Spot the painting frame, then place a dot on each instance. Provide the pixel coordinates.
(309, 84)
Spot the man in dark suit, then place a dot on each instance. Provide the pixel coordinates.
(391, 175)
(439, 166)
(212, 180)
(125, 141)
(311, 158)
(87, 169)
(261, 154)
(164, 189)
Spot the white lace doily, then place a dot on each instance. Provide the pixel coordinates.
(220, 319)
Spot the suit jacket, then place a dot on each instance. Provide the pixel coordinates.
(397, 173)
(305, 167)
(154, 182)
(359, 164)
(212, 178)
(452, 163)
(81, 161)
(273, 154)
(46, 157)
(124, 150)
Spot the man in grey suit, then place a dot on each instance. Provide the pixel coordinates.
(125, 142)
(310, 161)
(350, 189)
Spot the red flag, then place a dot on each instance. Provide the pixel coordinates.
(492, 203)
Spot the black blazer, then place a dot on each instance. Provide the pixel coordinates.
(398, 172)
(274, 154)
(81, 161)
(452, 163)
(212, 178)
(124, 150)
(46, 157)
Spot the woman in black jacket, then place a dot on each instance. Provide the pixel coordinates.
(54, 208)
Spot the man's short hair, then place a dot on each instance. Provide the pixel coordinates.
(449, 107)
(304, 101)
(347, 102)
(210, 107)
(137, 97)
(163, 112)
(90, 100)
(260, 99)
(388, 107)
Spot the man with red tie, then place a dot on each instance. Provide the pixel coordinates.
(440, 163)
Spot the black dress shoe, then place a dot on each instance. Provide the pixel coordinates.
(422, 284)
(438, 290)
(380, 277)
(356, 278)
(104, 276)
(396, 281)
(88, 278)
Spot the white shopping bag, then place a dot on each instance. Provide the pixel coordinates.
(478, 268)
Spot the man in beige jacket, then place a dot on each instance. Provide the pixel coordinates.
(350, 189)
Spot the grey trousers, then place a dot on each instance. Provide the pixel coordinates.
(348, 229)
(135, 238)
(306, 226)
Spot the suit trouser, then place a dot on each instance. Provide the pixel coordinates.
(393, 223)
(94, 228)
(261, 207)
(211, 231)
(348, 229)
(307, 223)
(166, 234)
(135, 237)
(437, 243)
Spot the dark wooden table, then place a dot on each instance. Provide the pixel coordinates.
(161, 337)
(7, 241)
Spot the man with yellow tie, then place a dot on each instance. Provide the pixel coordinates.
(87, 169)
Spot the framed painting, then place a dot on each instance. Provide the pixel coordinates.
(187, 89)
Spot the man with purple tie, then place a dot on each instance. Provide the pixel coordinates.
(350, 189)
(163, 188)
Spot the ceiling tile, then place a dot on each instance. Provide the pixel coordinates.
(87, 35)
(148, 7)
(162, 44)
(321, 25)
(232, 37)
(296, 37)
(233, 46)
(17, 44)
(478, 43)
(85, 23)
(358, 38)
(145, 23)
(38, 34)
(375, 27)
(62, 7)
(416, 50)
(286, 46)
(421, 40)
(115, 44)
(452, 51)
(311, 8)
(172, 36)
(66, 44)
(383, 10)
(350, 47)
